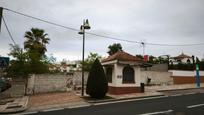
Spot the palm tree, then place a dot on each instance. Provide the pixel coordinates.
(36, 40)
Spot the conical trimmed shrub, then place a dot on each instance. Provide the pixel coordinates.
(97, 84)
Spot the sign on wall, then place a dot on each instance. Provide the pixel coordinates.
(4, 62)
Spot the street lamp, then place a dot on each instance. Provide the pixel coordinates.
(82, 32)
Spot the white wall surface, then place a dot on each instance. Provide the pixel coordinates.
(185, 73)
(157, 77)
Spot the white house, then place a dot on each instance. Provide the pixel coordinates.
(182, 58)
(123, 73)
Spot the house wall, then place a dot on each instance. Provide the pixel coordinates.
(117, 77)
(184, 60)
(157, 77)
(118, 87)
(186, 77)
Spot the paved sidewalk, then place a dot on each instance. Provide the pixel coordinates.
(59, 100)
(155, 91)
(13, 105)
(54, 100)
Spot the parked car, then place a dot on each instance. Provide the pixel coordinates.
(4, 84)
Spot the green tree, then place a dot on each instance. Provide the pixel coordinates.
(90, 60)
(152, 59)
(197, 60)
(18, 66)
(114, 48)
(36, 40)
(97, 84)
(139, 56)
(35, 45)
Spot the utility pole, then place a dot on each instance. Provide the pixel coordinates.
(143, 46)
(1, 15)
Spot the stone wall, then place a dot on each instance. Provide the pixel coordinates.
(157, 78)
(43, 83)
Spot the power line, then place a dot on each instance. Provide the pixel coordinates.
(52, 23)
(103, 36)
(10, 35)
(196, 44)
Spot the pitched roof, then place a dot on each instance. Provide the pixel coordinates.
(181, 56)
(122, 56)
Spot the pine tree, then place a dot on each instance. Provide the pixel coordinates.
(97, 84)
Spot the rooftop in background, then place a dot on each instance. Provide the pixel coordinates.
(181, 56)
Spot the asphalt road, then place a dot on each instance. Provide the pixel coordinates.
(173, 105)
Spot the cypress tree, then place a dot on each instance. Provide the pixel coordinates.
(97, 84)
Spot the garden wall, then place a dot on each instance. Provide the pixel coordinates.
(157, 77)
(43, 83)
(186, 77)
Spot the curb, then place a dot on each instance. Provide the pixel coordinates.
(91, 103)
(14, 111)
(179, 89)
(23, 108)
(113, 100)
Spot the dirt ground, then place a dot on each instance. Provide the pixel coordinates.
(53, 98)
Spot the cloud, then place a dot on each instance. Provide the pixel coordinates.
(155, 21)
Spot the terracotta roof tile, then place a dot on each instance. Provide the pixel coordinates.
(122, 56)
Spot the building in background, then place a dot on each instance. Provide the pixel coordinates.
(182, 58)
(66, 66)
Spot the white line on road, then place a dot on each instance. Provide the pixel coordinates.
(193, 106)
(190, 93)
(26, 113)
(103, 103)
(52, 109)
(176, 95)
(78, 106)
(159, 112)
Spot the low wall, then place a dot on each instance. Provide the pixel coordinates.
(43, 83)
(157, 77)
(18, 86)
(157, 67)
(186, 77)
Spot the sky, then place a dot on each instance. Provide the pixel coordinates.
(149, 21)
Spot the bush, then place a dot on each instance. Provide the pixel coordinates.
(189, 67)
(97, 84)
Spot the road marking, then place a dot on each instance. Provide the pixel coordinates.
(103, 103)
(52, 109)
(190, 93)
(26, 113)
(176, 95)
(193, 106)
(78, 106)
(159, 112)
